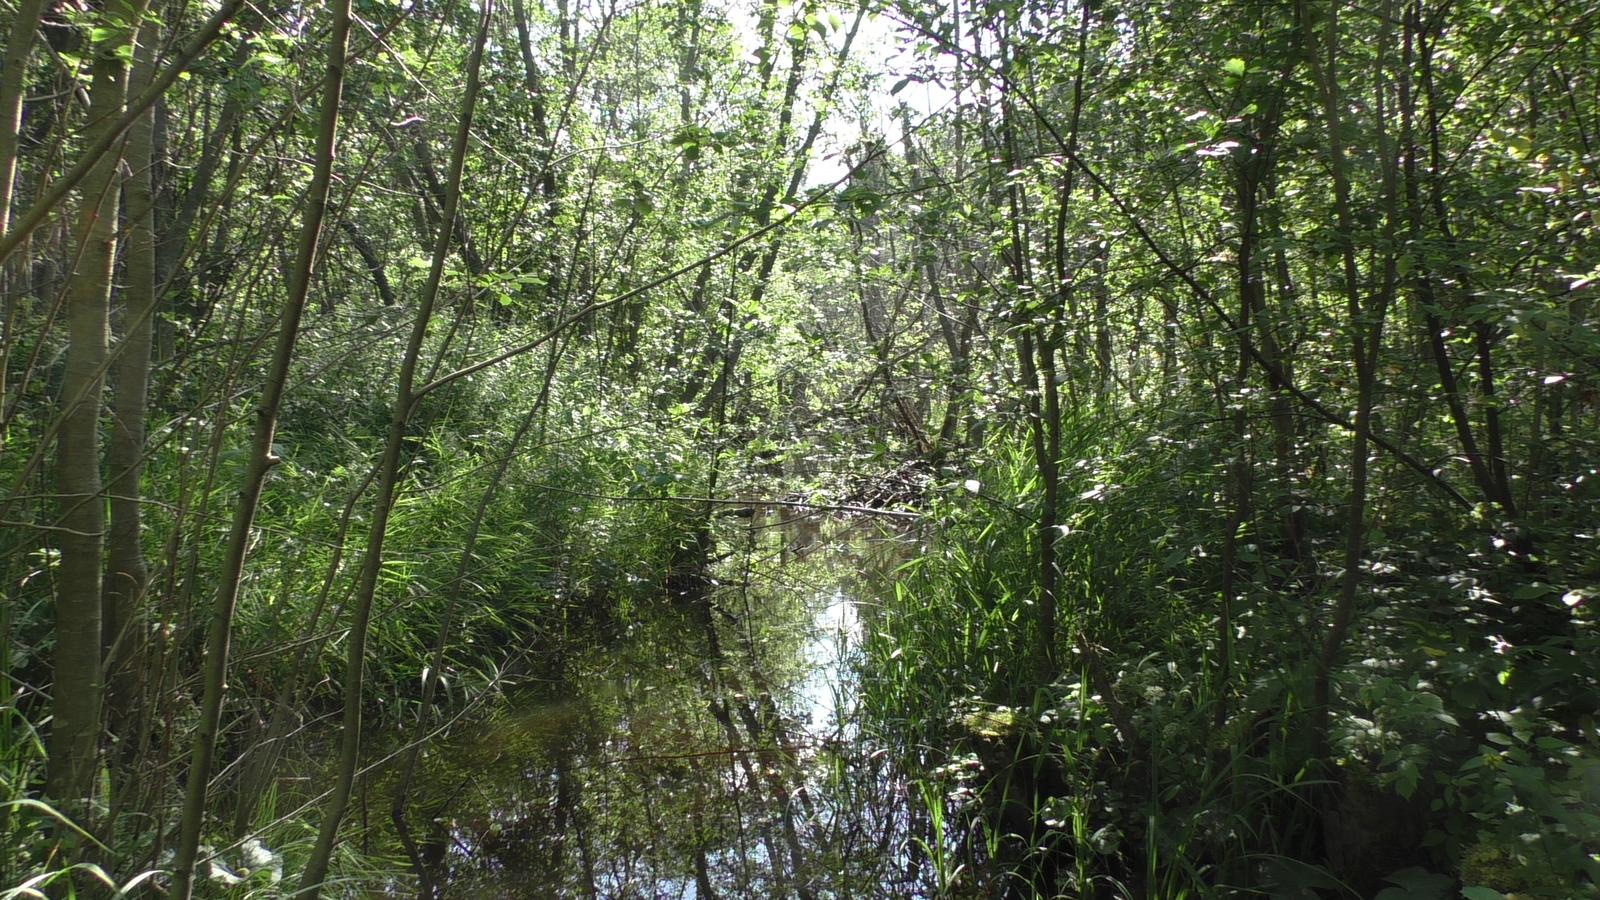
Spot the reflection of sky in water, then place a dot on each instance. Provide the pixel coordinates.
(828, 656)
(711, 753)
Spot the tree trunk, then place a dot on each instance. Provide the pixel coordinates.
(127, 572)
(316, 870)
(13, 77)
(101, 138)
(78, 686)
(1365, 322)
(369, 258)
(260, 462)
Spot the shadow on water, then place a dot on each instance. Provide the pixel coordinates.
(712, 752)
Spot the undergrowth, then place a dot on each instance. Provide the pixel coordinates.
(1169, 753)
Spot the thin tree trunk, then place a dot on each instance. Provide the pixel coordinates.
(1204, 294)
(1450, 388)
(1031, 347)
(1427, 282)
(78, 686)
(260, 462)
(1483, 335)
(436, 191)
(13, 72)
(1262, 168)
(1366, 329)
(316, 870)
(260, 772)
(175, 239)
(104, 138)
(369, 258)
(426, 888)
(127, 573)
(732, 348)
(538, 109)
(1241, 465)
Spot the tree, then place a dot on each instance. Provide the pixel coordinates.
(79, 688)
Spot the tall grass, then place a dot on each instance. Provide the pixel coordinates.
(1112, 759)
(1175, 752)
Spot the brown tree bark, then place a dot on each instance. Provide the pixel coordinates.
(1365, 323)
(369, 258)
(13, 78)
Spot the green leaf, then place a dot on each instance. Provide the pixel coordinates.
(1417, 883)
(1405, 784)
(865, 201)
(1106, 839)
(1234, 67)
(693, 134)
(1479, 892)
(1289, 878)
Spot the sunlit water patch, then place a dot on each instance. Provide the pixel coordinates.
(828, 689)
(712, 751)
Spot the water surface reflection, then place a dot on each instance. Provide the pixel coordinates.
(711, 752)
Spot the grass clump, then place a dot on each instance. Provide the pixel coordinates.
(1173, 748)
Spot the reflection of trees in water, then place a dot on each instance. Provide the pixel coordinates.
(675, 764)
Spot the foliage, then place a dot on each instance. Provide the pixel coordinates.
(1250, 354)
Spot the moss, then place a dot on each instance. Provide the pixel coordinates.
(1498, 867)
(992, 724)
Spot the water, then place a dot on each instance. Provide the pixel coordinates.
(713, 751)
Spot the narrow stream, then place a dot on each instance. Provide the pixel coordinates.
(713, 751)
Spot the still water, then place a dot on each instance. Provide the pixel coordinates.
(711, 750)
